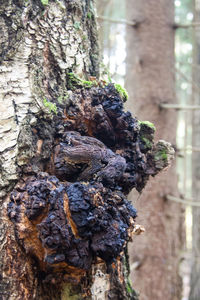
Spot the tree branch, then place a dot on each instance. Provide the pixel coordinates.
(117, 21)
(185, 26)
(179, 106)
(184, 201)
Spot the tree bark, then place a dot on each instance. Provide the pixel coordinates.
(39, 44)
(195, 271)
(69, 156)
(151, 81)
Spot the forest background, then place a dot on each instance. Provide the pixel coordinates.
(119, 21)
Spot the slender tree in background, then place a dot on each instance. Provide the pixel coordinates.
(151, 81)
(69, 156)
(102, 6)
(195, 273)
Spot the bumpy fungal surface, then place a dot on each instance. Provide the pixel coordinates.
(70, 206)
(74, 222)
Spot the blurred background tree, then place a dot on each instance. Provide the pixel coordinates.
(195, 70)
(150, 81)
(153, 49)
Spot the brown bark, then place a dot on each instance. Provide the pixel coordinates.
(150, 81)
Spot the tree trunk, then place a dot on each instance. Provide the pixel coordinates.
(151, 81)
(195, 271)
(69, 157)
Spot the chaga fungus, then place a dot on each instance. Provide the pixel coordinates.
(83, 158)
(69, 206)
(74, 222)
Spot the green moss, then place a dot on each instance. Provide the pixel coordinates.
(161, 155)
(74, 81)
(147, 142)
(164, 156)
(129, 287)
(45, 2)
(130, 291)
(51, 106)
(89, 15)
(72, 76)
(122, 92)
(147, 123)
(89, 83)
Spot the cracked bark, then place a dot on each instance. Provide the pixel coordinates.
(69, 156)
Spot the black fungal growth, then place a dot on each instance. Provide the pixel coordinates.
(79, 221)
(70, 207)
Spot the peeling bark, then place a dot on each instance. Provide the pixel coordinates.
(69, 156)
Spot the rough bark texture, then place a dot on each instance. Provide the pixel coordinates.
(195, 272)
(69, 156)
(150, 82)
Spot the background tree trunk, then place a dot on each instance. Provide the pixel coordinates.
(151, 81)
(195, 271)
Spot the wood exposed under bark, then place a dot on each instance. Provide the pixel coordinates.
(69, 156)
